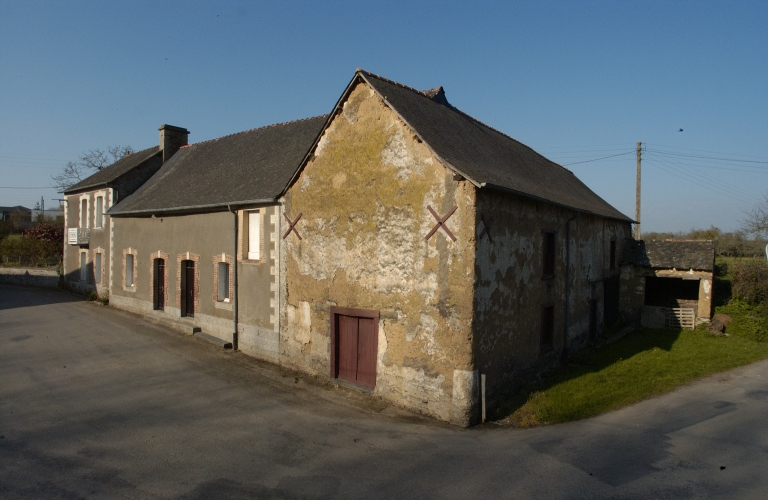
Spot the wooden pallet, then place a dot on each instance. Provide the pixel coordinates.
(682, 317)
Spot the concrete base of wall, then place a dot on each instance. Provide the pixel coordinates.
(252, 340)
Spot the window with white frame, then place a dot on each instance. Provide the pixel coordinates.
(254, 235)
(129, 270)
(223, 285)
(97, 267)
(99, 211)
(84, 213)
(83, 266)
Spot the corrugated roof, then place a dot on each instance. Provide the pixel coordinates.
(250, 166)
(112, 172)
(485, 156)
(698, 255)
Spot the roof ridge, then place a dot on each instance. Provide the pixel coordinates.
(424, 94)
(291, 122)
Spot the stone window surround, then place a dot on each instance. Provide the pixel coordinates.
(104, 207)
(101, 251)
(196, 290)
(217, 259)
(87, 198)
(135, 253)
(80, 264)
(242, 243)
(166, 257)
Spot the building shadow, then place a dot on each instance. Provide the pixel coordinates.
(16, 296)
(590, 360)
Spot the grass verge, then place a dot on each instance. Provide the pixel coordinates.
(642, 364)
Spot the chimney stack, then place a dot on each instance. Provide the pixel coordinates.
(171, 139)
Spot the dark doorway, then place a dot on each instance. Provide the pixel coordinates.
(354, 346)
(592, 319)
(158, 287)
(672, 292)
(611, 301)
(188, 288)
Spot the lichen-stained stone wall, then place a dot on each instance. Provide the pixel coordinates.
(364, 198)
(511, 290)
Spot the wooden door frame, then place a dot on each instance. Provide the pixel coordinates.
(349, 311)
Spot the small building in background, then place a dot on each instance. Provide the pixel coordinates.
(668, 283)
(7, 212)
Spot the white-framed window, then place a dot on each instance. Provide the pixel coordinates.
(83, 266)
(254, 234)
(129, 264)
(97, 267)
(223, 288)
(84, 212)
(99, 212)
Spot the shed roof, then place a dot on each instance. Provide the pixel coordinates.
(485, 156)
(698, 255)
(112, 172)
(248, 167)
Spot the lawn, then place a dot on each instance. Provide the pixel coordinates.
(642, 364)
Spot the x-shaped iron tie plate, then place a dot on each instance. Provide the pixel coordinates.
(292, 225)
(441, 223)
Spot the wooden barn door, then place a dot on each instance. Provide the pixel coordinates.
(355, 344)
(158, 287)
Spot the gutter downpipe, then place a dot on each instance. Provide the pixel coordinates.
(564, 356)
(234, 280)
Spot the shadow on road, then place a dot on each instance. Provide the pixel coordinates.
(13, 296)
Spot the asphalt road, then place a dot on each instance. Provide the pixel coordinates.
(96, 403)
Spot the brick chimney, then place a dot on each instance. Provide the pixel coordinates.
(171, 139)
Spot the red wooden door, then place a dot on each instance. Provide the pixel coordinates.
(356, 346)
(348, 348)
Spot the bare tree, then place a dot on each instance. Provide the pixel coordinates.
(756, 222)
(88, 163)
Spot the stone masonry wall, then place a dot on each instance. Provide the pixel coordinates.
(364, 201)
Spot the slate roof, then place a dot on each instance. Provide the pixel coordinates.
(485, 156)
(112, 172)
(248, 167)
(698, 255)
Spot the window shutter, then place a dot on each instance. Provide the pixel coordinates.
(254, 240)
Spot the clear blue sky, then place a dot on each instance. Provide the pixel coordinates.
(576, 81)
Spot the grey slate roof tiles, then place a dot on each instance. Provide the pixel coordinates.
(682, 255)
(112, 172)
(250, 166)
(485, 155)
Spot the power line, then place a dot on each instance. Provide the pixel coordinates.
(15, 187)
(598, 159)
(708, 157)
(753, 170)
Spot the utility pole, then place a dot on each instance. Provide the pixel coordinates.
(637, 195)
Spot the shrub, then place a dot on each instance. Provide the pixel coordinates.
(749, 281)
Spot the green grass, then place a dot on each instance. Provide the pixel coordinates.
(642, 364)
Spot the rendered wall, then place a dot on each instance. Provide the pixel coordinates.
(99, 242)
(364, 199)
(202, 238)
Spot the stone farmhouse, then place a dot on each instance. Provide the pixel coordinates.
(397, 245)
